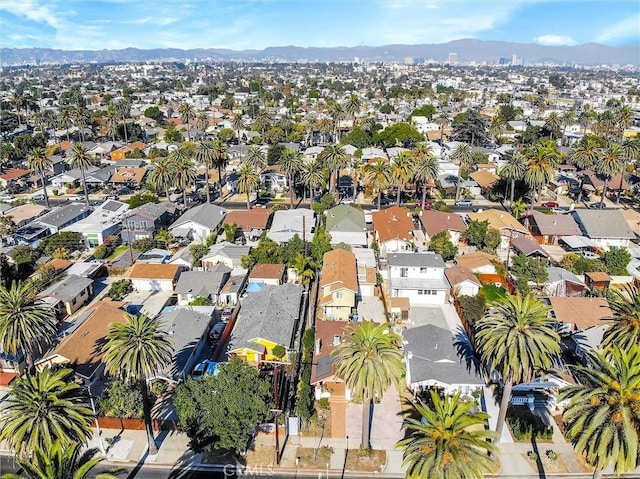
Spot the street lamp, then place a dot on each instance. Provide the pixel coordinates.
(95, 416)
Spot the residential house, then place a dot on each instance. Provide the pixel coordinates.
(528, 247)
(606, 228)
(225, 253)
(347, 225)
(597, 280)
(64, 216)
(434, 360)
(562, 282)
(25, 214)
(71, 178)
(188, 328)
(393, 230)
(81, 341)
(462, 280)
(251, 223)
(338, 285)
(548, 229)
(154, 277)
(198, 222)
(478, 262)
(103, 222)
(508, 226)
(128, 176)
(67, 295)
(288, 223)
(434, 222)
(13, 177)
(274, 179)
(597, 182)
(233, 288)
(417, 276)
(206, 284)
(267, 319)
(266, 274)
(484, 178)
(146, 220)
(367, 271)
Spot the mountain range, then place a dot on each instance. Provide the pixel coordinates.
(467, 50)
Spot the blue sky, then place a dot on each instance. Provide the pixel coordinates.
(257, 24)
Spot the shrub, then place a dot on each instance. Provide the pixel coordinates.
(121, 399)
(101, 251)
(323, 403)
(200, 301)
(532, 455)
(119, 289)
(279, 351)
(551, 455)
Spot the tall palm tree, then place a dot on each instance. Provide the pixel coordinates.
(220, 158)
(369, 361)
(517, 339)
(248, 181)
(553, 123)
(513, 171)
(237, 123)
(25, 326)
(291, 163)
(608, 164)
(81, 119)
(255, 158)
(401, 172)
(202, 123)
(111, 121)
(68, 462)
(542, 162)
(187, 113)
(137, 350)
(378, 174)
(630, 153)
(44, 408)
(625, 330)
(40, 163)
(204, 154)
(123, 107)
(65, 119)
(80, 159)
(442, 120)
(447, 441)
(334, 158)
(184, 170)
(312, 176)
(352, 105)
(426, 167)
(623, 119)
(263, 121)
(496, 128)
(464, 157)
(603, 414)
(163, 174)
(305, 268)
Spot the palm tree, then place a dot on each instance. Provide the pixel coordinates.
(542, 162)
(60, 462)
(608, 164)
(44, 408)
(334, 158)
(496, 128)
(202, 123)
(625, 330)
(623, 118)
(553, 123)
(80, 159)
(248, 181)
(255, 158)
(81, 119)
(379, 176)
(187, 113)
(163, 174)
(123, 107)
(464, 156)
(426, 167)
(290, 162)
(585, 155)
(442, 120)
(447, 441)
(25, 326)
(401, 171)
(517, 339)
(630, 153)
(305, 268)
(263, 121)
(603, 414)
(513, 171)
(111, 121)
(220, 158)
(237, 123)
(184, 170)
(312, 176)
(204, 154)
(65, 118)
(369, 361)
(39, 163)
(352, 105)
(136, 350)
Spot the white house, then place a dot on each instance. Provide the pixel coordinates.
(463, 281)
(606, 228)
(199, 222)
(154, 277)
(417, 276)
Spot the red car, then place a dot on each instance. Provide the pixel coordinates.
(427, 204)
(550, 204)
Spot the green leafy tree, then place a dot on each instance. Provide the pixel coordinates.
(44, 408)
(471, 128)
(70, 240)
(476, 233)
(101, 251)
(305, 269)
(624, 332)
(25, 325)
(602, 414)
(492, 240)
(197, 252)
(441, 244)
(616, 261)
(369, 361)
(200, 301)
(142, 199)
(154, 113)
(517, 339)
(119, 289)
(401, 134)
(121, 399)
(427, 110)
(217, 412)
(230, 230)
(448, 440)
(320, 244)
(63, 462)
(136, 351)
(526, 269)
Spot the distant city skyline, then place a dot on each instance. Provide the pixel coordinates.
(257, 24)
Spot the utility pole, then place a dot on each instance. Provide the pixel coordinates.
(277, 410)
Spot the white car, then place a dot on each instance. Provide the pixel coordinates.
(560, 211)
(7, 198)
(589, 255)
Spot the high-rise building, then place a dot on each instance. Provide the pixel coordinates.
(453, 58)
(514, 60)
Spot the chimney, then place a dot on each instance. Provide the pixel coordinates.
(318, 346)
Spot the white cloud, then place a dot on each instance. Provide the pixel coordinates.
(32, 10)
(622, 30)
(555, 40)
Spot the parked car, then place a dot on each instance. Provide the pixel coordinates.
(384, 201)
(7, 198)
(428, 204)
(226, 314)
(217, 330)
(205, 368)
(551, 204)
(597, 206)
(464, 203)
(38, 197)
(560, 211)
(589, 255)
(75, 197)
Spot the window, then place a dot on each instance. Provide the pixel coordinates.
(73, 301)
(424, 270)
(404, 272)
(337, 295)
(430, 292)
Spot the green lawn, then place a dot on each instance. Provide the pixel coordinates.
(492, 293)
(118, 251)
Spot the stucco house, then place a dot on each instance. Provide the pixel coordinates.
(338, 284)
(154, 277)
(347, 225)
(393, 230)
(198, 222)
(417, 276)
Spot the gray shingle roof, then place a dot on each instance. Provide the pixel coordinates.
(202, 283)
(207, 214)
(67, 289)
(604, 224)
(65, 215)
(269, 314)
(424, 260)
(345, 218)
